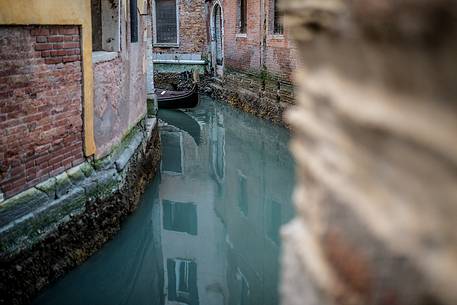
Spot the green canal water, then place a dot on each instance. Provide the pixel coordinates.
(206, 230)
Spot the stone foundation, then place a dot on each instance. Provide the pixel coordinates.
(263, 95)
(67, 219)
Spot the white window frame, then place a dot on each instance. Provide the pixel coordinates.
(154, 22)
(178, 263)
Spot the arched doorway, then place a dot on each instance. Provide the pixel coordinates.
(217, 39)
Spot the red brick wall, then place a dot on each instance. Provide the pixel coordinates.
(245, 54)
(280, 53)
(242, 53)
(40, 104)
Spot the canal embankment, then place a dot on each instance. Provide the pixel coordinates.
(206, 231)
(56, 225)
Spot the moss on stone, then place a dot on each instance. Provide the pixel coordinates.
(21, 205)
(106, 162)
(30, 231)
(48, 186)
(63, 184)
(76, 174)
(87, 169)
(107, 184)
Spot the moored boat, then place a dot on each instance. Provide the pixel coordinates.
(167, 99)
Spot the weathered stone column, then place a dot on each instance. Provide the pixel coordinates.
(376, 149)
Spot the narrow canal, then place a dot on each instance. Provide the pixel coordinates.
(206, 231)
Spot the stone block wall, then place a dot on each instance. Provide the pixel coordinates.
(40, 104)
(376, 151)
(261, 94)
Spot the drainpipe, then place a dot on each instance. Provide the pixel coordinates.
(263, 34)
(150, 63)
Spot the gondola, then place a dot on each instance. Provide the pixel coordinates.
(177, 99)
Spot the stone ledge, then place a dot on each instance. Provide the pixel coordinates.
(103, 56)
(22, 222)
(128, 152)
(64, 232)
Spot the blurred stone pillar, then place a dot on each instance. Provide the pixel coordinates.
(375, 139)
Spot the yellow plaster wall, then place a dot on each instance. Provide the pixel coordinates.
(61, 12)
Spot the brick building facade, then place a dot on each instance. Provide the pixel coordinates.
(252, 67)
(76, 144)
(258, 58)
(42, 104)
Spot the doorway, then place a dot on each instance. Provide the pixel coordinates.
(217, 30)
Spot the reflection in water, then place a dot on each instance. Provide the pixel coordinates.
(207, 230)
(184, 121)
(128, 270)
(180, 216)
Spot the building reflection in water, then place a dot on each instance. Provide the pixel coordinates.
(206, 232)
(223, 210)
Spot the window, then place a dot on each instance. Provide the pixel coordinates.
(277, 22)
(96, 25)
(105, 25)
(166, 22)
(242, 16)
(133, 21)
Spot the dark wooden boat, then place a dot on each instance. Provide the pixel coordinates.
(177, 99)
